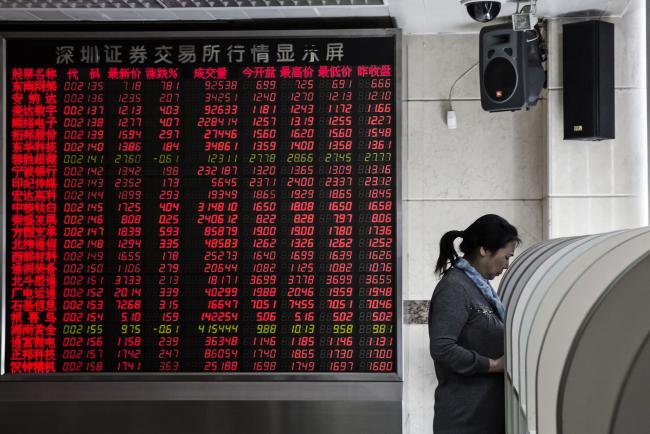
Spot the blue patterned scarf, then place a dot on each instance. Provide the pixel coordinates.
(483, 285)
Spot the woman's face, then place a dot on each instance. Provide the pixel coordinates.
(493, 263)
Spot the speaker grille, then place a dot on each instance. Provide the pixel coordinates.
(500, 79)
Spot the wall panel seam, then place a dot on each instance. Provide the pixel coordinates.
(473, 199)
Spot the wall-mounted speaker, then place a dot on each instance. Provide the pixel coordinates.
(511, 71)
(588, 79)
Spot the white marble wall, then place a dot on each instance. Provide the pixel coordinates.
(601, 186)
(492, 163)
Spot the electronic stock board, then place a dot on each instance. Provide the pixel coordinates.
(184, 203)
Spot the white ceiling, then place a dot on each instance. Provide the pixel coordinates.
(448, 16)
(413, 16)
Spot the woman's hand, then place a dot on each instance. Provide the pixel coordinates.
(497, 365)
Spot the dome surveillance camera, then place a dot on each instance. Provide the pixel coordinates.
(482, 11)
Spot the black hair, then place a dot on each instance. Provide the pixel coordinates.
(490, 231)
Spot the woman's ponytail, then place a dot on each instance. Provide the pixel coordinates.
(490, 231)
(448, 252)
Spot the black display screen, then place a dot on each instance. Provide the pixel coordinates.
(201, 205)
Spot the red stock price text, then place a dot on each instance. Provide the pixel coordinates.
(166, 220)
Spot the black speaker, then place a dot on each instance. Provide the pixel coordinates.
(511, 71)
(588, 79)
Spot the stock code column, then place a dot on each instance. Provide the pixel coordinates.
(81, 210)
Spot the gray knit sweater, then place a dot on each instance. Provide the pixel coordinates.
(464, 331)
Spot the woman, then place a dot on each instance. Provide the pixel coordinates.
(466, 328)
